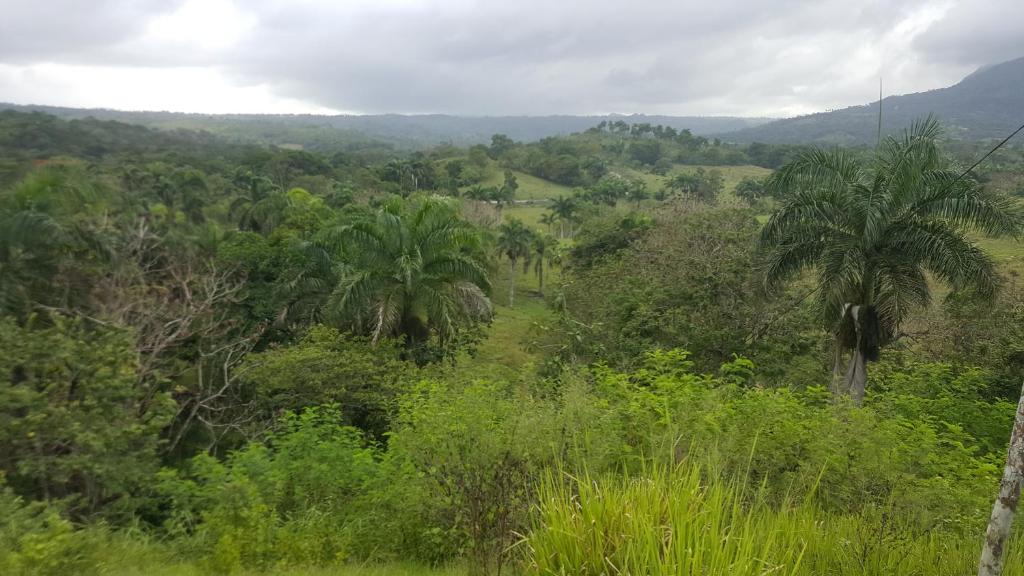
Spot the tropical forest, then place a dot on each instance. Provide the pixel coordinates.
(615, 345)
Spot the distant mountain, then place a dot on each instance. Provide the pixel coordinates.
(417, 131)
(988, 103)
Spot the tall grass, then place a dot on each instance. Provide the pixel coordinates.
(686, 521)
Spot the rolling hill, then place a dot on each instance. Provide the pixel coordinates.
(988, 103)
(402, 131)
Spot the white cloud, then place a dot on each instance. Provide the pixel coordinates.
(183, 89)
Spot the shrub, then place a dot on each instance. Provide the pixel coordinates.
(36, 540)
(329, 367)
(74, 424)
(289, 501)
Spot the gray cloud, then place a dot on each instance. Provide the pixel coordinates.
(975, 33)
(72, 30)
(542, 57)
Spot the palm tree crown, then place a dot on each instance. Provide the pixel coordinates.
(410, 273)
(871, 232)
(260, 206)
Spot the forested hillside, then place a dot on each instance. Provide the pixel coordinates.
(631, 349)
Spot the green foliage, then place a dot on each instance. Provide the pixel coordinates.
(870, 233)
(75, 425)
(164, 299)
(36, 541)
(645, 151)
(476, 450)
(928, 472)
(286, 502)
(641, 284)
(688, 520)
(44, 234)
(605, 236)
(944, 395)
(703, 185)
(328, 367)
(751, 190)
(415, 272)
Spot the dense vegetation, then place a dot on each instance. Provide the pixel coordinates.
(619, 351)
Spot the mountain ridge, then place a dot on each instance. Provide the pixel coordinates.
(985, 104)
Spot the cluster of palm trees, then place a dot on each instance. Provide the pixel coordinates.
(519, 244)
(565, 213)
(498, 196)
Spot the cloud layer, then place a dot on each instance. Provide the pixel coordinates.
(729, 57)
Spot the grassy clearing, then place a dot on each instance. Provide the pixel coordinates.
(1007, 252)
(530, 187)
(506, 347)
(530, 214)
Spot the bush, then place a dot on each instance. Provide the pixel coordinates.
(474, 452)
(36, 540)
(75, 426)
(851, 457)
(328, 367)
(292, 500)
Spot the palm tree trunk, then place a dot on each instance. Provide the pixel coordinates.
(540, 276)
(837, 371)
(857, 370)
(857, 376)
(1005, 507)
(512, 283)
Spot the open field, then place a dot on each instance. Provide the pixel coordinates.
(530, 187)
(1007, 252)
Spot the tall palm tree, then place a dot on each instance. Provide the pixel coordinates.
(408, 272)
(549, 219)
(502, 196)
(514, 242)
(543, 247)
(870, 232)
(565, 208)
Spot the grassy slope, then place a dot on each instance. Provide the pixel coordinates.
(506, 350)
(530, 187)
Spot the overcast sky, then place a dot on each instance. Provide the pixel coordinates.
(712, 57)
